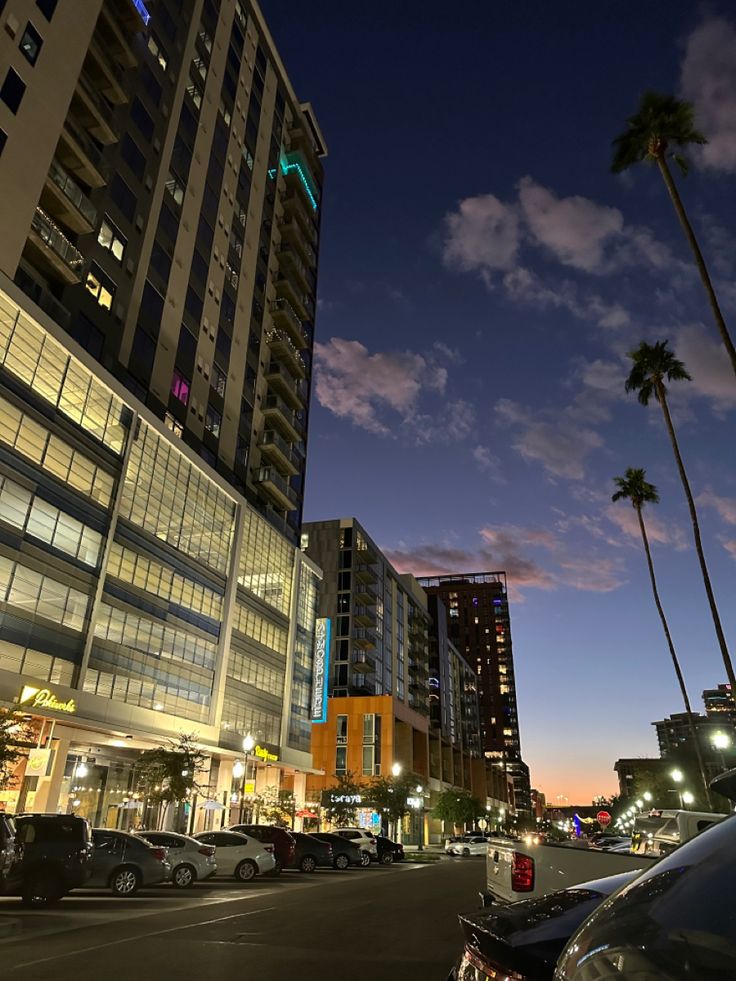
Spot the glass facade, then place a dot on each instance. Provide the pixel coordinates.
(300, 726)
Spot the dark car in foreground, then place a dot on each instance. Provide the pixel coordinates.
(281, 839)
(674, 922)
(53, 856)
(389, 851)
(7, 849)
(344, 852)
(524, 939)
(310, 853)
(124, 862)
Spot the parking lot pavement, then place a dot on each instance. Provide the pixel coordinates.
(400, 920)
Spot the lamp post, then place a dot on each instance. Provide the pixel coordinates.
(721, 742)
(249, 743)
(687, 798)
(678, 777)
(420, 791)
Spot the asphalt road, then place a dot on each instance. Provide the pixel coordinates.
(397, 922)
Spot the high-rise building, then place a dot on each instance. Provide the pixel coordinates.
(161, 202)
(480, 628)
(720, 705)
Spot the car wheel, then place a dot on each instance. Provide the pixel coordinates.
(365, 859)
(246, 871)
(466, 852)
(308, 864)
(125, 882)
(183, 877)
(387, 858)
(42, 889)
(341, 862)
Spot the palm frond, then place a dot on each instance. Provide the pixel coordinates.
(661, 121)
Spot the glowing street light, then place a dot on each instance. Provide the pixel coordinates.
(677, 776)
(647, 796)
(249, 743)
(396, 769)
(687, 797)
(721, 740)
(238, 770)
(640, 804)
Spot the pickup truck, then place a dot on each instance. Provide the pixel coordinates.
(519, 870)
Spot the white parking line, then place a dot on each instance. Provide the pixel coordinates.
(140, 936)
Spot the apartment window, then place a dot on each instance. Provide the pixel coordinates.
(218, 380)
(12, 90)
(154, 46)
(133, 156)
(180, 387)
(195, 93)
(175, 188)
(3, 140)
(142, 119)
(111, 238)
(213, 421)
(100, 286)
(341, 761)
(47, 7)
(123, 197)
(173, 425)
(30, 43)
(342, 730)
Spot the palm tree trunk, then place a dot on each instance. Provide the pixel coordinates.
(699, 260)
(673, 655)
(662, 399)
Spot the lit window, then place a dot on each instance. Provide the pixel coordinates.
(157, 51)
(173, 426)
(30, 43)
(212, 421)
(218, 379)
(112, 239)
(194, 93)
(200, 67)
(175, 188)
(100, 286)
(180, 387)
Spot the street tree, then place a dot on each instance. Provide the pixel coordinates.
(341, 807)
(390, 796)
(662, 127)
(653, 365)
(458, 807)
(14, 734)
(170, 775)
(634, 487)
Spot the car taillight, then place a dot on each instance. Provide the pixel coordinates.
(522, 873)
(269, 849)
(159, 854)
(207, 850)
(474, 966)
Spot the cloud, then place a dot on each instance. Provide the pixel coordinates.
(524, 286)
(489, 463)
(730, 546)
(483, 234)
(511, 549)
(555, 438)
(709, 82)
(625, 519)
(725, 507)
(707, 362)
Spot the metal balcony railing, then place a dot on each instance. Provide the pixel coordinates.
(56, 240)
(72, 192)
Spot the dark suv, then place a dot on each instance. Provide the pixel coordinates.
(54, 856)
(269, 834)
(7, 849)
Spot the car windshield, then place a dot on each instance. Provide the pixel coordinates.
(674, 921)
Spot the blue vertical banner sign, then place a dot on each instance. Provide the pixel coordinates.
(322, 634)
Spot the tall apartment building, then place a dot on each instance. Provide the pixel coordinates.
(479, 626)
(720, 705)
(161, 202)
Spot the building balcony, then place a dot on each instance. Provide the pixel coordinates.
(80, 156)
(50, 248)
(65, 201)
(364, 639)
(276, 449)
(281, 381)
(283, 348)
(290, 290)
(364, 592)
(365, 615)
(94, 112)
(284, 315)
(365, 572)
(295, 234)
(105, 74)
(298, 173)
(295, 207)
(277, 489)
(363, 663)
(133, 13)
(291, 262)
(279, 416)
(117, 33)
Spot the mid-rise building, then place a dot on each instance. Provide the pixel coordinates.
(161, 189)
(161, 202)
(479, 626)
(720, 705)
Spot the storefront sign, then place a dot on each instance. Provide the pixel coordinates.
(38, 762)
(322, 632)
(415, 802)
(44, 698)
(264, 754)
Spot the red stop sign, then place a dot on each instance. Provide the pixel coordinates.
(603, 818)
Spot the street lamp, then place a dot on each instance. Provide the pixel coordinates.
(647, 796)
(238, 770)
(687, 797)
(396, 769)
(721, 741)
(640, 804)
(677, 776)
(249, 743)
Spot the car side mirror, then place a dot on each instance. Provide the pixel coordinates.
(725, 785)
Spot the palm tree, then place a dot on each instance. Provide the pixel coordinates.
(634, 487)
(653, 364)
(662, 125)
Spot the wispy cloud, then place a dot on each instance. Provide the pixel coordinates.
(489, 463)
(707, 362)
(709, 81)
(725, 507)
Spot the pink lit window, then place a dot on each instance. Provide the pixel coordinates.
(180, 387)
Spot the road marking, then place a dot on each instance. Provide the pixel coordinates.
(140, 936)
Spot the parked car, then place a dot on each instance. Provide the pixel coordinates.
(389, 851)
(123, 862)
(53, 856)
(344, 852)
(673, 922)
(311, 853)
(452, 841)
(269, 834)
(364, 839)
(7, 850)
(523, 939)
(470, 845)
(190, 860)
(622, 847)
(239, 855)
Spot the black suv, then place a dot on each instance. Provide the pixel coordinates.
(7, 849)
(54, 856)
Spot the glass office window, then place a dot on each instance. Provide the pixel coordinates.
(266, 562)
(255, 625)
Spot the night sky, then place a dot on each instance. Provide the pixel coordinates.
(482, 275)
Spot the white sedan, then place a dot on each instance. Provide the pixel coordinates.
(470, 845)
(239, 855)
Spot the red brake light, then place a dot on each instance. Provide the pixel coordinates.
(522, 873)
(207, 850)
(159, 854)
